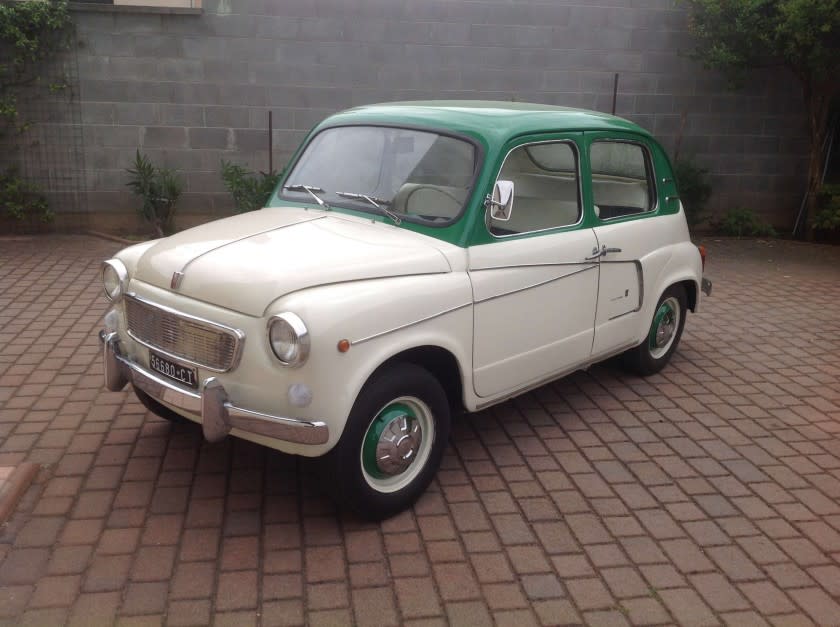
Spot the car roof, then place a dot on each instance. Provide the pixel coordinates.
(499, 119)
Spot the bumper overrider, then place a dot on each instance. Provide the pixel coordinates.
(218, 414)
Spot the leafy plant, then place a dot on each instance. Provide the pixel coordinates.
(828, 205)
(159, 189)
(21, 199)
(736, 36)
(695, 189)
(31, 33)
(250, 191)
(741, 222)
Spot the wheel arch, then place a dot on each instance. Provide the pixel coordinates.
(690, 287)
(440, 362)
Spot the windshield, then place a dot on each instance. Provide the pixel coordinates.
(418, 176)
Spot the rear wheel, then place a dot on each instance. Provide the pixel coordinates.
(158, 409)
(663, 337)
(392, 444)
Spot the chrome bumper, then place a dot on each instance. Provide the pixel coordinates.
(218, 415)
(706, 286)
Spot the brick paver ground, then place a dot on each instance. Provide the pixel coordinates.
(706, 494)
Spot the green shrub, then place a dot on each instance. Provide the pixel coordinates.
(694, 189)
(159, 188)
(828, 208)
(21, 199)
(741, 222)
(250, 191)
(32, 34)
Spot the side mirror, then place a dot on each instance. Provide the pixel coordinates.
(500, 202)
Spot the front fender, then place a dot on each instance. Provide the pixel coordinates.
(379, 318)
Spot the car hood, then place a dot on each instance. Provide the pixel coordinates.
(246, 262)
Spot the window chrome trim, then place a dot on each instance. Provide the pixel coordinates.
(576, 150)
(651, 179)
(239, 335)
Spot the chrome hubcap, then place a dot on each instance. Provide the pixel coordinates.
(397, 444)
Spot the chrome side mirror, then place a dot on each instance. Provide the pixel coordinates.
(500, 202)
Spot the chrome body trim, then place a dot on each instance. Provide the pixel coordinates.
(648, 162)
(409, 324)
(299, 327)
(541, 283)
(239, 239)
(239, 335)
(218, 414)
(547, 264)
(575, 148)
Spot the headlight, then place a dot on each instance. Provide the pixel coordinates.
(289, 339)
(114, 278)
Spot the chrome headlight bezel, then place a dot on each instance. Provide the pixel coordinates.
(120, 274)
(297, 355)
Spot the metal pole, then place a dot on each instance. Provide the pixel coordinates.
(615, 91)
(270, 151)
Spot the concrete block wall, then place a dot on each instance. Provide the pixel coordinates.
(190, 90)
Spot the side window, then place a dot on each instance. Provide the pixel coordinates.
(546, 188)
(622, 179)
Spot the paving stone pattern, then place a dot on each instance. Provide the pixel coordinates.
(707, 494)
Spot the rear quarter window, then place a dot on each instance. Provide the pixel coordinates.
(623, 182)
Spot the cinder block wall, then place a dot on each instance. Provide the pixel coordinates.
(190, 90)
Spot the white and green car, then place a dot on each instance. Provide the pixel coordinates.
(417, 259)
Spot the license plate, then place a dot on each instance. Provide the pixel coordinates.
(173, 371)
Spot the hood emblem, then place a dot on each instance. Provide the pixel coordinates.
(175, 283)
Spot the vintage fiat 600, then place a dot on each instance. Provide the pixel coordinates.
(417, 259)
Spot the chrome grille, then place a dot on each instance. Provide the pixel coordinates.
(197, 341)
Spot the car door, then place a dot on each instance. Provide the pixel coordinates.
(625, 200)
(534, 290)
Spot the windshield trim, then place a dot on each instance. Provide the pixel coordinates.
(478, 164)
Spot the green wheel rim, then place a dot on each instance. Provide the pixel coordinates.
(663, 329)
(397, 444)
(392, 412)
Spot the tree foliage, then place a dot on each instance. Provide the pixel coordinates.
(20, 199)
(32, 32)
(695, 189)
(736, 36)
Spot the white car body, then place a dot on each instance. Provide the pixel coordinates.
(500, 316)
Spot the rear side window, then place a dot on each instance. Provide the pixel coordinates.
(546, 191)
(622, 179)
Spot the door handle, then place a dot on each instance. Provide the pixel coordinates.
(596, 254)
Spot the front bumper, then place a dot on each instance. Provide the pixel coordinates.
(218, 415)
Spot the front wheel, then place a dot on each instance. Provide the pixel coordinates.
(392, 444)
(663, 336)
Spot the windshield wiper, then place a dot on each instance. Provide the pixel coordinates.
(309, 189)
(379, 203)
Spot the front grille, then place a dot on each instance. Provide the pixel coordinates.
(202, 343)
